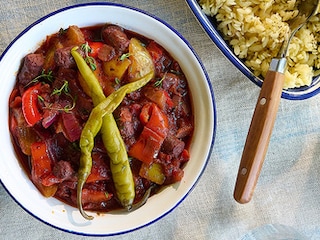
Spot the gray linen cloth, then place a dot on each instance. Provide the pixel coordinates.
(288, 189)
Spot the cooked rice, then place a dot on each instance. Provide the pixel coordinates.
(256, 29)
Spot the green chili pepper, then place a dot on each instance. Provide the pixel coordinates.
(92, 128)
(101, 118)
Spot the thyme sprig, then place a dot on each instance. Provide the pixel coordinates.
(89, 60)
(158, 83)
(64, 89)
(62, 31)
(46, 77)
(124, 56)
(117, 81)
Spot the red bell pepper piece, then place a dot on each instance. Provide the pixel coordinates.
(153, 134)
(40, 161)
(95, 47)
(95, 196)
(147, 147)
(41, 172)
(155, 119)
(158, 121)
(30, 107)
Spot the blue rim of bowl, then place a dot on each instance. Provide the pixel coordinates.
(207, 24)
(208, 82)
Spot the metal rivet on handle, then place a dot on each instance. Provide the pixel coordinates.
(244, 171)
(263, 101)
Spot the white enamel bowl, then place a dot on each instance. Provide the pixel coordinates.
(60, 215)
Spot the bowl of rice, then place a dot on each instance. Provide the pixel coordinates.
(250, 34)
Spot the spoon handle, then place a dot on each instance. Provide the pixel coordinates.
(259, 135)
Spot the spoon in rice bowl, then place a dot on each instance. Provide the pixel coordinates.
(266, 110)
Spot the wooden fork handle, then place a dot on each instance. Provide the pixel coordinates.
(258, 137)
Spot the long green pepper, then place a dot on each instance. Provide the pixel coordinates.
(101, 118)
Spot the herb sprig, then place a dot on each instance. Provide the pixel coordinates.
(46, 77)
(124, 56)
(64, 89)
(89, 60)
(158, 83)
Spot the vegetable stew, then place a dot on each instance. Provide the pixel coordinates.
(135, 116)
